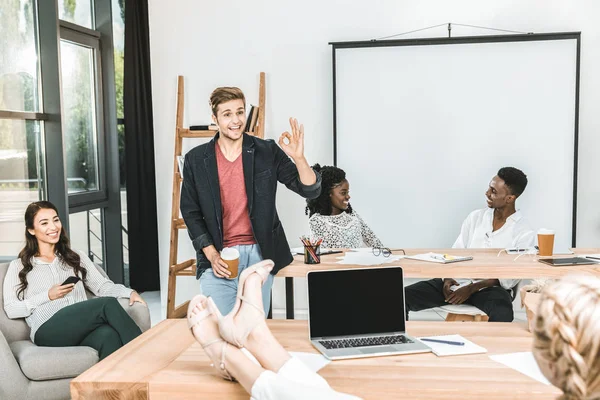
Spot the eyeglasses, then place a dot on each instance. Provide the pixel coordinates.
(386, 252)
(381, 250)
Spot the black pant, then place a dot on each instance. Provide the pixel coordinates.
(100, 323)
(494, 301)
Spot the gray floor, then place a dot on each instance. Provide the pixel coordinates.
(153, 300)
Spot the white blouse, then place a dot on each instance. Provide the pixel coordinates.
(36, 307)
(345, 230)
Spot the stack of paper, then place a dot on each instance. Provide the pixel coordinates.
(439, 258)
(442, 349)
(366, 258)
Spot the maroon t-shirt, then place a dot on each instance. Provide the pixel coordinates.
(236, 222)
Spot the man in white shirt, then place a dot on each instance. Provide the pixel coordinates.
(498, 226)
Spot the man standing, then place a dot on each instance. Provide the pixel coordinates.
(498, 226)
(228, 196)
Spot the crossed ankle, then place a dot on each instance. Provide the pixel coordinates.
(259, 336)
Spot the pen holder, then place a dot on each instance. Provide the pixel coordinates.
(312, 254)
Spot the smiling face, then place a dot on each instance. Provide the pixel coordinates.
(46, 226)
(498, 194)
(231, 119)
(340, 197)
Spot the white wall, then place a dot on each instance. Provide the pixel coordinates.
(228, 43)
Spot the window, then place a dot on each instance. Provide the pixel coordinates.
(87, 234)
(19, 83)
(79, 12)
(118, 18)
(57, 138)
(22, 163)
(78, 69)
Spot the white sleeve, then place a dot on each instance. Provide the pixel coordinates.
(509, 283)
(524, 240)
(98, 284)
(14, 307)
(465, 232)
(368, 236)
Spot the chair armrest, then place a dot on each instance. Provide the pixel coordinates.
(13, 384)
(138, 312)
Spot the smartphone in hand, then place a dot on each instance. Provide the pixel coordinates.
(71, 279)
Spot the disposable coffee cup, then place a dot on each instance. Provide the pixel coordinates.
(545, 242)
(232, 258)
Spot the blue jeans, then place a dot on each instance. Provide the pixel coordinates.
(224, 291)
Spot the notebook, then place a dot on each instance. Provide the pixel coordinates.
(439, 258)
(442, 349)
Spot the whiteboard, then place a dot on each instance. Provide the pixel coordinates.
(421, 129)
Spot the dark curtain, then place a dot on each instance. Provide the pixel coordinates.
(139, 150)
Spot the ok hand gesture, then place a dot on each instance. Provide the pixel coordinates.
(295, 146)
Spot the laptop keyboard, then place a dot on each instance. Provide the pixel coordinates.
(364, 342)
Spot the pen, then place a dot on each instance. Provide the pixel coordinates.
(593, 258)
(443, 341)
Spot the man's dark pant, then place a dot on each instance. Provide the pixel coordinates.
(100, 323)
(494, 301)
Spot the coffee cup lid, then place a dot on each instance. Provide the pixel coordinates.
(545, 232)
(230, 253)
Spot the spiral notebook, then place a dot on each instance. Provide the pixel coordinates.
(439, 258)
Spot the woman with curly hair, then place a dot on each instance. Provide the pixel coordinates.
(57, 312)
(332, 217)
(566, 340)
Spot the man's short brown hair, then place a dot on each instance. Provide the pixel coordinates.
(224, 94)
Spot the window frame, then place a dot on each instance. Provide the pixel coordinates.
(88, 39)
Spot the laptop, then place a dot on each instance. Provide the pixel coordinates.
(359, 312)
(563, 262)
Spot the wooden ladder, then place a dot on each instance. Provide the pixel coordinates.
(188, 267)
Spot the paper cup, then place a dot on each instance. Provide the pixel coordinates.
(232, 258)
(545, 242)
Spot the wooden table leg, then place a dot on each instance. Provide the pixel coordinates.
(289, 298)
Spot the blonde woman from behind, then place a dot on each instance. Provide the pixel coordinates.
(566, 341)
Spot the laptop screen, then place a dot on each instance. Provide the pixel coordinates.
(356, 301)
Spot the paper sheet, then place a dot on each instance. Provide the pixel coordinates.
(439, 258)
(313, 361)
(442, 349)
(367, 258)
(522, 362)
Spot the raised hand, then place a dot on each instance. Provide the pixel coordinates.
(295, 141)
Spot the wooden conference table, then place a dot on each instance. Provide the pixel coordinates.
(486, 264)
(166, 363)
